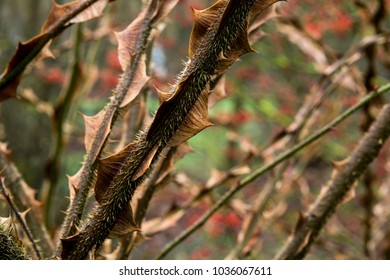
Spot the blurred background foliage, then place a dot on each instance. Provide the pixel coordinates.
(265, 90)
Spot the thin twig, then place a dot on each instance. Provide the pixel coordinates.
(262, 170)
(23, 197)
(19, 218)
(311, 104)
(315, 99)
(336, 73)
(58, 122)
(257, 210)
(326, 203)
(306, 111)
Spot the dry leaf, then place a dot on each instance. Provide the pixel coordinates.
(276, 212)
(93, 11)
(195, 121)
(73, 183)
(162, 96)
(145, 163)
(125, 224)
(92, 126)
(203, 19)
(127, 40)
(159, 224)
(107, 169)
(28, 50)
(23, 50)
(138, 82)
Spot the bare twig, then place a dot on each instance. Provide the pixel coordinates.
(336, 188)
(305, 114)
(257, 210)
(60, 116)
(19, 218)
(23, 197)
(335, 73)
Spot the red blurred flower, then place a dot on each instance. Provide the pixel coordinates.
(241, 116)
(112, 60)
(193, 215)
(55, 76)
(201, 253)
(331, 20)
(232, 220)
(248, 74)
(315, 29)
(167, 43)
(108, 79)
(342, 23)
(220, 222)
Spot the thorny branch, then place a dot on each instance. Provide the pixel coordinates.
(110, 112)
